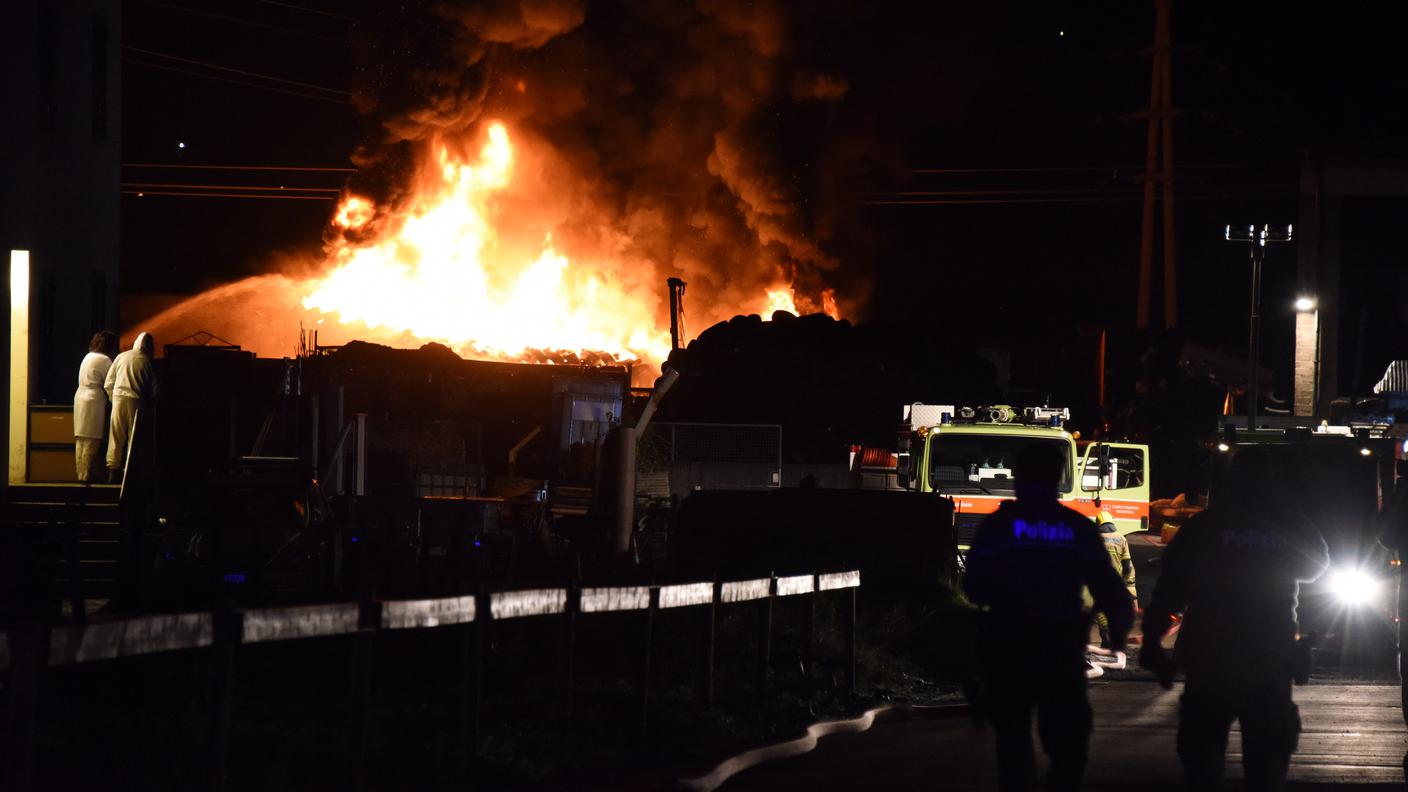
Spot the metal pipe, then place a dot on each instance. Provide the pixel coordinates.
(518, 448)
(622, 524)
(667, 380)
(645, 661)
(361, 481)
(676, 287)
(1254, 342)
(1165, 111)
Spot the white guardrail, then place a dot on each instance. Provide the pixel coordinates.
(82, 643)
(26, 653)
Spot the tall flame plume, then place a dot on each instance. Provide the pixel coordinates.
(436, 270)
(486, 253)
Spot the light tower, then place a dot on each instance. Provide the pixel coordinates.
(1257, 237)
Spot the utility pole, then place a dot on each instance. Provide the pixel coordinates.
(1158, 169)
(1258, 237)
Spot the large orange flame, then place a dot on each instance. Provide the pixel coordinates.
(437, 272)
(467, 257)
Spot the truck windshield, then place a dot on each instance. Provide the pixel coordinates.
(959, 461)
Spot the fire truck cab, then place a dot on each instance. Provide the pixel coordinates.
(967, 453)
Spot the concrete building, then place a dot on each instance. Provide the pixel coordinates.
(60, 161)
(1330, 181)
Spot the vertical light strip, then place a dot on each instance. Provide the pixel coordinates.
(19, 365)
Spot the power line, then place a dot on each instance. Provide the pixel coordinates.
(1095, 168)
(232, 81)
(1093, 199)
(1046, 169)
(182, 165)
(160, 185)
(174, 194)
(1093, 191)
(231, 70)
(251, 23)
(1039, 191)
(307, 10)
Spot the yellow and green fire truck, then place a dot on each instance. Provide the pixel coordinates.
(967, 453)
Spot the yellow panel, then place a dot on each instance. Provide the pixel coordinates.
(52, 465)
(50, 426)
(19, 362)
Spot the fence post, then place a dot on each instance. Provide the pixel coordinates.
(227, 633)
(363, 657)
(711, 618)
(474, 641)
(569, 650)
(29, 654)
(645, 660)
(850, 608)
(765, 638)
(809, 631)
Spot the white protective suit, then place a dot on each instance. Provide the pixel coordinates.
(90, 402)
(132, 384)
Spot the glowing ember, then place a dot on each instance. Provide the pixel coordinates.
(779, 299)
(354, 213)
(438, 272)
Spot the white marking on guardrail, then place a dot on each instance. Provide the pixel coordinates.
(796, 584)
(533, 602)
(406, 614)
(686, 594)
(282, 624)
(745, 590)
(601, 600)
(145, 635)
(838, 580)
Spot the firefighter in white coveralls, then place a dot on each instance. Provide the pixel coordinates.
(131, 384)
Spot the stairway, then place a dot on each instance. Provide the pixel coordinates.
(570, 501)
(43, 513)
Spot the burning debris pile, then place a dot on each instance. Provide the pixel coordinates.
(533, 179)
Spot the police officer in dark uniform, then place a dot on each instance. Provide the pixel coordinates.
(1027, 566)
(1234, 572)
(1393, 534)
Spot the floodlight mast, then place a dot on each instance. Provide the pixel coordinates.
(1257, 238)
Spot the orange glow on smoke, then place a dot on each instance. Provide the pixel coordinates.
(438, 273)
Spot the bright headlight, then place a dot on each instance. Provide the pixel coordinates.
(1352, 586)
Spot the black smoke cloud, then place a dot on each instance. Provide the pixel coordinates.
(717, 139)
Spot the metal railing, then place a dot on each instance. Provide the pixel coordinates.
(26, 653)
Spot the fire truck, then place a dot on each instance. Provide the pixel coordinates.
(967, 453)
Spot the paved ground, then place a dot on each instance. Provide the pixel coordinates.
(1354, 734)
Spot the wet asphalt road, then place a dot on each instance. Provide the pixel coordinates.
(1353, 735)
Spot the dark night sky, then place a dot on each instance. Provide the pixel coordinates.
(1038, 90)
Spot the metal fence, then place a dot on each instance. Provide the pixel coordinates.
(26, 653)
